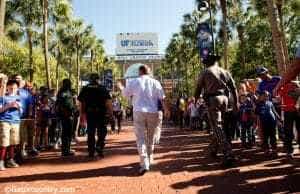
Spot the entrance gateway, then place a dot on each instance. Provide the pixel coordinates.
(133, 48)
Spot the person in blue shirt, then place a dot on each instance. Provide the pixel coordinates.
(268, 82)
(27, 128)
(10, 114)
(268, 118)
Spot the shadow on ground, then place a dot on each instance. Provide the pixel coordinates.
(186, 151)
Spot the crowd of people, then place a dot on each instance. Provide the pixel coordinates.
(34, 120)
(261, 113)
(266, 108)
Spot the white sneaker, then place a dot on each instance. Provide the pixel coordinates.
(56, 146)
(24, 154)
(12, 164)
(2, 167)
(151, 159)
(142, 171)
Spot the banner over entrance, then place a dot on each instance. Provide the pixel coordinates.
(137, 44)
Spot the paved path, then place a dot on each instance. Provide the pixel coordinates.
(181, 166)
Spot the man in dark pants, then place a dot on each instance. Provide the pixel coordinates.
(65, 112)
(95, 110)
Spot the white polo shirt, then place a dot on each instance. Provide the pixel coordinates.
(145, 92)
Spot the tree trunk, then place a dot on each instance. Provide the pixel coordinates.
(77, 67)
(225, 35)
(98, 67)
(277, 39)
(45, 32)
(30, 47)
(279, 5)
(240, 31)
(2, 17)
(92, 59)
(70, 67)
(57, 69)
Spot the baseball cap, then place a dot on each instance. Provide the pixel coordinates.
(261, 70)
(211, 59)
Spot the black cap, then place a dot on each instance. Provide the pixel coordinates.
(211, 59)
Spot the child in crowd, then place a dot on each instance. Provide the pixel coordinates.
(268, 119)
(43, 122)
(247, 121)
(10, 114)
(194, 114)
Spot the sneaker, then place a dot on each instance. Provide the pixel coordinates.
(289, 156)
(100, 152)
(56, 146)
(2, 167)
(34, 152)
(11, 164)
(151, 159)
(70, 153)
(142, 171)
(24, 154)
(267, 152)
(213, 155)
(274, 153)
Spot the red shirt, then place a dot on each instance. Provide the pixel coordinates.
(288, 102)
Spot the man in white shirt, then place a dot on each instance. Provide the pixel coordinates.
(146, 93)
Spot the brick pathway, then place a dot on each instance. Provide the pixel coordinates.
(181, 166)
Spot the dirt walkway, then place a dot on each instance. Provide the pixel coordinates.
(181, 166)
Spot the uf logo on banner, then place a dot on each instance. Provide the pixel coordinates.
(124, 43)
(204, 37)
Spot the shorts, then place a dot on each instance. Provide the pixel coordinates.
(26, 130)
(9, 134)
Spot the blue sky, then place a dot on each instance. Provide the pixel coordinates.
(110, 17)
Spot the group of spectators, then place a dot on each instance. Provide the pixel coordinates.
(263, 113)
(34, 120)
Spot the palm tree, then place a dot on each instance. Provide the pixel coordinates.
(24, 16)
(77, 36)
(2, 16)
(98, 54)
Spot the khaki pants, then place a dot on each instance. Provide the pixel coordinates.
(217, 107)
(9, 134)
(145, 125)
(27, 131)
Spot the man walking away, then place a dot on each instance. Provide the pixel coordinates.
(95, 110)
(146, 93)
(218, 85)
